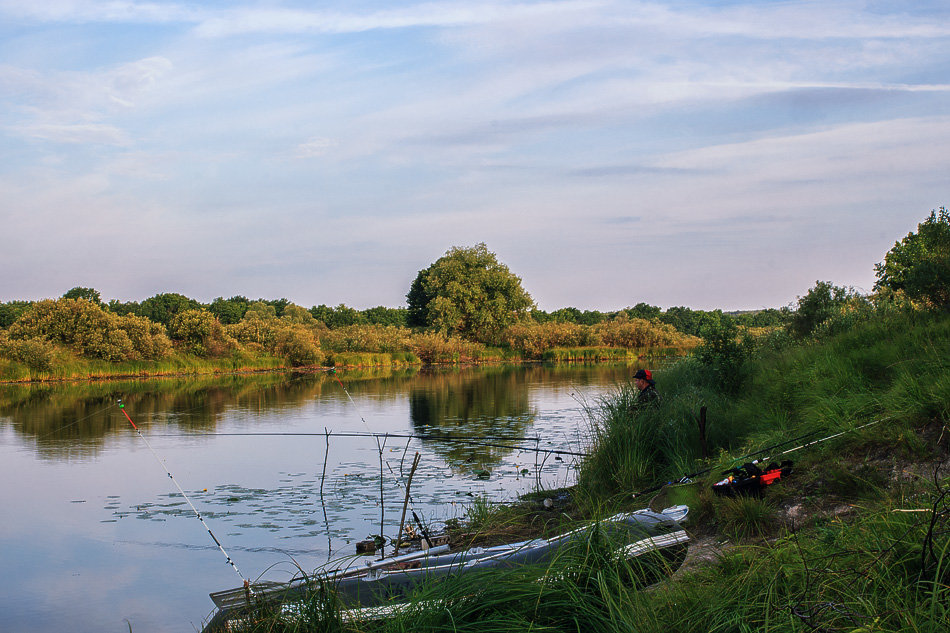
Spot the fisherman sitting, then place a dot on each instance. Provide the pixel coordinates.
(647, 395)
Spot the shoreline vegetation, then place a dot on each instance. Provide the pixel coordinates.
(465, 308)
(78, 337)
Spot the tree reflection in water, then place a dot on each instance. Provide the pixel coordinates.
(486, 406)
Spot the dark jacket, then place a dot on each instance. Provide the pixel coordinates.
(648, 396)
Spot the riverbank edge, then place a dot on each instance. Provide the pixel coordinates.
(188, 367)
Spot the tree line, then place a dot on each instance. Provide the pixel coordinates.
(162, 307)
(460, 307)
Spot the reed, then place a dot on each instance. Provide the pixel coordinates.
(589, 354)
(73, 368)
(371, 359)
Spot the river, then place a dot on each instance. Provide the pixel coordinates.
(285, 469)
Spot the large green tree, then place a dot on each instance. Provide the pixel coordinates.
(11, 311)
(89, 294)
(468, 292)
(229, 311)
(919, 265)
(163, 307)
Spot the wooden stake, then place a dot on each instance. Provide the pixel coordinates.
(702, 432)
(405, 504)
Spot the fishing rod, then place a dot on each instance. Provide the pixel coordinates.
(247, 583)
(687, 478)
(830, 437)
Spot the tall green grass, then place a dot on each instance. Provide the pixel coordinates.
(370, 359)
(895, 369)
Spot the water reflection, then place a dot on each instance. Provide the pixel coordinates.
(69, 420)
(489, 405)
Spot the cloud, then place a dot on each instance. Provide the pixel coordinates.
(245, 20)
(315, 147)
(72, 106)
(91, 11)
(81, 133)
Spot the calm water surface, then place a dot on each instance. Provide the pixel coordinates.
(95, 535)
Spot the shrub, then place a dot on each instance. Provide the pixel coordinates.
(533, 339)
(36, 353)
(260, 310)
(298, 345)
(148, 338)
(432, 347)
(724, 353)
(382, 339)
(819, 304)
(631, 333)
(260, 333)
(295, 314)
(198, 332)
(78, 324)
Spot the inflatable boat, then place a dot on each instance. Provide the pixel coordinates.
(374, 589)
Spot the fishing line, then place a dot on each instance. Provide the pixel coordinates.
(450, 439)
(74, 422)
(247, 583)
(332, 372)
(178, 412)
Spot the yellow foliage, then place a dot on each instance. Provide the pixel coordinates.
(91, 332)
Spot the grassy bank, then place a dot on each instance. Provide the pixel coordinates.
(70, 367)
(856, 539)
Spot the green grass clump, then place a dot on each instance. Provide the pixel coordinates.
(369, 359)
(588, 354)
(70, 367)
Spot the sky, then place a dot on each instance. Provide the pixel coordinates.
(709, 154)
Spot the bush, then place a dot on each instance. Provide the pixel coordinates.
(724, 353)
(533, 339)
(298, 345)
(148, 338)
(198, 332)
(258, 333)
(36, 353)
(633, 333)
(382, 339)
(90, 331)
(431, 347)
(819, 304)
